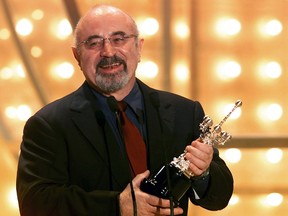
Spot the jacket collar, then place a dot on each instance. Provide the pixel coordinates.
(159, 121)
(89, 119)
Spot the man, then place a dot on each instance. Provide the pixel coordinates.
(72, 158)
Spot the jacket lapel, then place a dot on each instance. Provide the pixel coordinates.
(158, 139)
(87, 118)
(90, 120)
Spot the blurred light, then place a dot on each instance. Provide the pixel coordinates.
(64, 70)
(10, 112)
(182, 30)
(228, 70)
(272, 112)
(149, 26)
(4, 34)
(271, 69)
(228, 27)
(24, 27)
(36, 51)
(273, 199)
(272, 28)
(6, 73)
(182, 72)
(22, 112)
(37, 14)
(13, 72)
(233, 155)
(274, 155)
(20, 71)
(234, 200)
(64, 29)
(12, 198)
(148, 69)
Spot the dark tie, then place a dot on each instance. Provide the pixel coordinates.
(135, 146)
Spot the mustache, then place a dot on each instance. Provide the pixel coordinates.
(111, 60)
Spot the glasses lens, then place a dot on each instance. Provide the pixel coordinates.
(94, 43)
(118, 40)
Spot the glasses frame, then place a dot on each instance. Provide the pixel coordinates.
(125, 36)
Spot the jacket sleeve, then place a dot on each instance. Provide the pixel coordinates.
(220, 186)
(43, 185)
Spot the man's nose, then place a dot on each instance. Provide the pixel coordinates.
(108, 49)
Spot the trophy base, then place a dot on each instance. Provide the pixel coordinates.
(158, 185)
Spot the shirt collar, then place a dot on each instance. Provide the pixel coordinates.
(133, 99)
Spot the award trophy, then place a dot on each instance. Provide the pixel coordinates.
(180, 177)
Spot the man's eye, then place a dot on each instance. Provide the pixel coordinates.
(118, 39)
(94, 43)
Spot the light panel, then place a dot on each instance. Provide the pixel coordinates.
(214, 53)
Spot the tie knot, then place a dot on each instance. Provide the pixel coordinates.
(122, 105)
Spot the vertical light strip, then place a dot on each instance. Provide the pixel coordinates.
(24, 56)
(73, 12)
(193, 53)
(167, 48)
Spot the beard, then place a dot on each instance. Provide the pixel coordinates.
(111, 82)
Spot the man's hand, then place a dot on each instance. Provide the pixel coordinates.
(146, 204)
(200, 156)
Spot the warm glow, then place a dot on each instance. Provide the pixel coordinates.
(273, 199)
(20, 71)
(182, 72)
(274, 155)
(22, 112)
(64, 70)
(233, 155)
(37, 14)
(272, 112)
(182, 30)
(64, 29)
(228, 27)
(149, 26)
(214, 52)
(24, 27)
(6, 73)
(36, 51)
(12, 198)
(14, 72)
(271, 70)
(147, 69)
(234, 200)
(228, 70)
(4, 34)
(272, 27)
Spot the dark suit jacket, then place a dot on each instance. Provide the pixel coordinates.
(71, 164)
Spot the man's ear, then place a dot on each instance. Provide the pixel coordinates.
(140, 45)
(76, 54)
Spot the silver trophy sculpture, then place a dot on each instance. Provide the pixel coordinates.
(180, 176)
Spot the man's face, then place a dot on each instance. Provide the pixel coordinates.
(111, 52)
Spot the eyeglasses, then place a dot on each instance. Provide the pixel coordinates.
(97, 42)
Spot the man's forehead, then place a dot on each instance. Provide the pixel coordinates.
(106, 17)
(108, 22)
(113, 21)
(105, 21)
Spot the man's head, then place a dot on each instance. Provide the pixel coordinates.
(107, 48)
